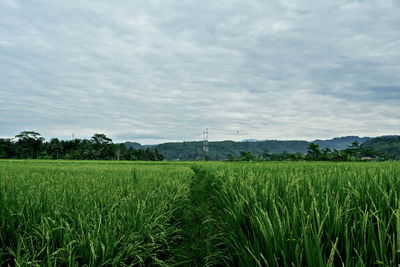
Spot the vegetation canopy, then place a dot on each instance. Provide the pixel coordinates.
(30, 145)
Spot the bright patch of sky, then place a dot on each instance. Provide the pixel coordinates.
(156, 71)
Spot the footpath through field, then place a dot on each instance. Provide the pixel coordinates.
(199, 231)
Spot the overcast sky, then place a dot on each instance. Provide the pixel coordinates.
(158, 71)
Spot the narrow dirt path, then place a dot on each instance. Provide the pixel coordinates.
(197, 247)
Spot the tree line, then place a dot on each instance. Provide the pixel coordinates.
(354, 152)
(31, 145)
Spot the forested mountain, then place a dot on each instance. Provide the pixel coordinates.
(220, 149)
(386, 145)
(30, 144)
(340, 143)
(133, 145)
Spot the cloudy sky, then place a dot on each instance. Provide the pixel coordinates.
(157, 71)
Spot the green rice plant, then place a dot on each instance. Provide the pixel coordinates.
(91, 213)
(314, 214)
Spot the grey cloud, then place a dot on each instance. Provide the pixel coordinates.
(153, 70)
(385, 92)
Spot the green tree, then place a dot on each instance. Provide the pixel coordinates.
(313, 152)
(326, 154)
(102, 146)
(29, 144)
(246, 156)
(54, 148)
(6, 148)
(266, 154)
(338, 155)
(98, 138)
(230, 157)
(353, 152)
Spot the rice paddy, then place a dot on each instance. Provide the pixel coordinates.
(93, 213)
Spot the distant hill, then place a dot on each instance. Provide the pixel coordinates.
(218, 150)
(133, 145)
(250, 140)
(340, 143)
(385, 145)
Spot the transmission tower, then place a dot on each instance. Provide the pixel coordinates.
(205, 140)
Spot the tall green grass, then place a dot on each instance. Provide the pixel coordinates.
(314, 214)
(94, 214)
(75, 213)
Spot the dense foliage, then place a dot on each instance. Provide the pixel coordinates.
(340, 143)
(354, 152)
(220, 149)
(30, 145)
(388, 146)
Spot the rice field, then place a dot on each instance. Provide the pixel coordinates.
(93, 213)
(307, 214)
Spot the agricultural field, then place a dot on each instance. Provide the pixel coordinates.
(109, 213)
(83, 213)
